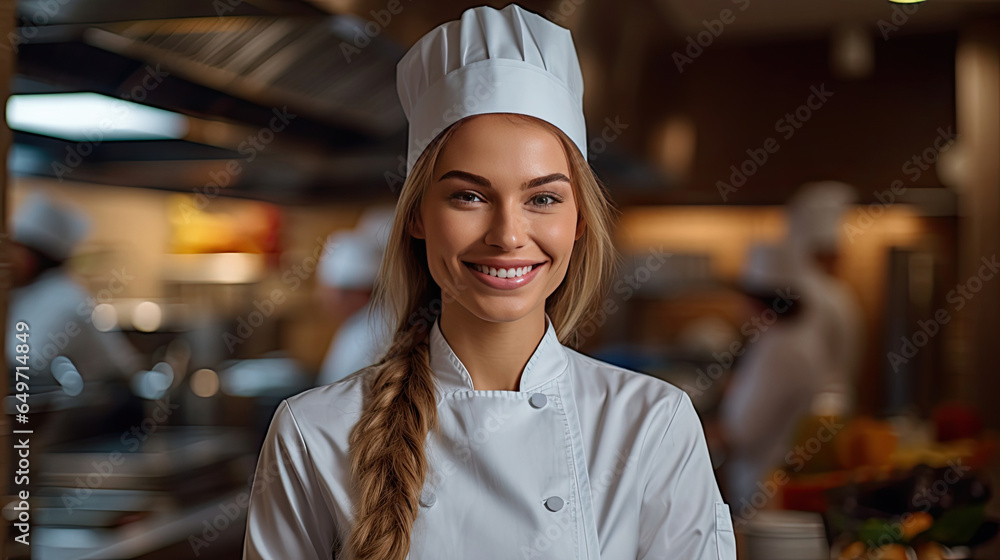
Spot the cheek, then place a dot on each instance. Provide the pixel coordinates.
(456, 229)
(556, 234)
(447, 233)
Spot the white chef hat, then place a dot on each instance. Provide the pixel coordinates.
(51, 228)
(491, 61)
(351, 259)
(768, 267)
(376, 222)
(814, 215)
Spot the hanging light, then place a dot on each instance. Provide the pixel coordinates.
(92, 116)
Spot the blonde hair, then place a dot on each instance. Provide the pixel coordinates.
(388, 463)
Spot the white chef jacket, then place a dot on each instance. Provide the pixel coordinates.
(359, 342)
(58, 310)
(585, 461)
(772, 390)
(830, 302)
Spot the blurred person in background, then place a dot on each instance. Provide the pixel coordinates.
(56, 308)
(778, 377)
(814, 224)
(69, 357)
(346, 274)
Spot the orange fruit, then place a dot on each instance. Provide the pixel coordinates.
(930, 551)
(890, 552)
(853, 551)
(915, 523)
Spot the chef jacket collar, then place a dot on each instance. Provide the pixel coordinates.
(547, 362)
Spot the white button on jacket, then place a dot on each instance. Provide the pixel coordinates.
(585, 461)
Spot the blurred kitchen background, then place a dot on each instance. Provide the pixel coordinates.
(194, 168)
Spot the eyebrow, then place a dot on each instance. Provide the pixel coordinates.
(484, 182)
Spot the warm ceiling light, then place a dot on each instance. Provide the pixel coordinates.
(905, 1)
(92, 116)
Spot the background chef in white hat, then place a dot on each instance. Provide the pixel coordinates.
(777, 379)
(79, 376)
(347, 271)
(814, 232)
(46, 297)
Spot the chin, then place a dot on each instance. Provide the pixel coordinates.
(501, 312)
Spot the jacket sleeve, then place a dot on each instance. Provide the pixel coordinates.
(287, 517)
(682, 514)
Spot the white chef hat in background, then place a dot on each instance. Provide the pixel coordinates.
(814, 215)
(768, 267)
(54, 229)
(491, 61)
(376, 221)
(351, 258)
(350, 261)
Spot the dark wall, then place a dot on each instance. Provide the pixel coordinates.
(862, 134)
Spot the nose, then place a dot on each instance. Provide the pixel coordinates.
(508, 228)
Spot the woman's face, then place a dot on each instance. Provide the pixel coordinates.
(499, 199)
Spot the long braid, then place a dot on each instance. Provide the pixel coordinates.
(387, 443)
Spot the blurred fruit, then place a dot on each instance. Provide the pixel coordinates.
(956, 421)
(889, 552)
(809, 492)
(930, 551)
(915, 523)
(853, 551)
(865, 441)
(958, 525)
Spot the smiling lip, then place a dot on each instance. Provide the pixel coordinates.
(505, 283)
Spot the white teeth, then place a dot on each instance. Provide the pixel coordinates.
(504, 272)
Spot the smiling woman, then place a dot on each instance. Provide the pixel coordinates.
(503, 201)
(481, 433)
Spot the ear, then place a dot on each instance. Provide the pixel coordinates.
(417, 227)
(581, 225)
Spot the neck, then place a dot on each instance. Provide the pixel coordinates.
(494, 353)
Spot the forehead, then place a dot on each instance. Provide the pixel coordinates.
(503, 146)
